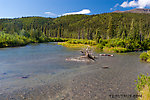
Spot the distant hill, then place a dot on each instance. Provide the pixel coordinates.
(137, 10)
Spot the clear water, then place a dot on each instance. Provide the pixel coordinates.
(37, 64)
(33, 64)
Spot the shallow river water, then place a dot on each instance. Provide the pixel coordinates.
(37, 64)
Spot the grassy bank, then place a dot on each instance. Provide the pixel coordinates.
(110, 45)
(79, 43)
(143, 87)
(68, 45)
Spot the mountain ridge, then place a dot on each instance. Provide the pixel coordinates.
(137, 10)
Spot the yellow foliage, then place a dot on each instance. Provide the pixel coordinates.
(65, 44)
(148, 60)
(145, 93)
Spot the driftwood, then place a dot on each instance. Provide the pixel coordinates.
(86, 57)
(87, 54)
(106, 55)
(78, 59)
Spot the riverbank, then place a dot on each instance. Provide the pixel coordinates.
(95, 47)
(108, 45)
(89, 82)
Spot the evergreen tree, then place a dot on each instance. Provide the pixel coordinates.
(110, 31)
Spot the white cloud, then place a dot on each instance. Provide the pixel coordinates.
(133, 4)
(138, 4)
(84, 11)
(116, 5)
(51, 14)
(124, 4)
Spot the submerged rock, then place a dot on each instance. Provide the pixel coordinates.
(25, 77)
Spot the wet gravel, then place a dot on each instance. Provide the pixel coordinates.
(91, 82)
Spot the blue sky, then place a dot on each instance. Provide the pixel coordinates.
(54, 8)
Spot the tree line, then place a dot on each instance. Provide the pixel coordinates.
(125, 26)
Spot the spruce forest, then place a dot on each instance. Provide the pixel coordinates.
(126, 30)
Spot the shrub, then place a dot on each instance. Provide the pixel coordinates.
(100, 46)
(142, 81)
(148, 52)
(144, 56)
(148, 60)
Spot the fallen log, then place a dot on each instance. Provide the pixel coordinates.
(90, 57)
(86, 56)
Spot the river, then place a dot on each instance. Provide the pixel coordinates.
(36, 65)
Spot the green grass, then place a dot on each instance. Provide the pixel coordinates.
(143, 87)
(82, 41)
(76, 46)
